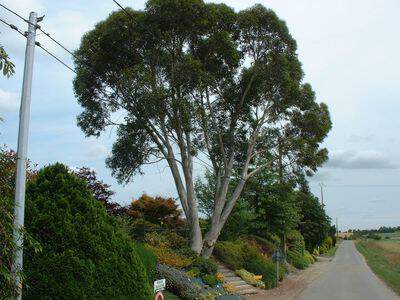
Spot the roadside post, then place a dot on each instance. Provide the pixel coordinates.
(20, 182)
(277, 256)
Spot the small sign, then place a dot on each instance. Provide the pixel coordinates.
(159, 285)
(277, 255)
(159, 296)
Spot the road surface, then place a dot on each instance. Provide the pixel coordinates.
(348, 277)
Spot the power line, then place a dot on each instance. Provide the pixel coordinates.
(37, 44)
(16, 14)
(12, 27)
(55, 57)
(362, 185)
(124, 9)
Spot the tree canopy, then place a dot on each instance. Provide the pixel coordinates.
(195, 81)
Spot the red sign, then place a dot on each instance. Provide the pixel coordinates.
(159, 296)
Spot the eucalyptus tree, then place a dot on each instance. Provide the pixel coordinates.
(294, 145)
(192, 81)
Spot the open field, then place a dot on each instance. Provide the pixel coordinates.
(384, 259)
(391, 235)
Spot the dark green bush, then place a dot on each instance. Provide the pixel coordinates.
(296, 254)
(205, 266)
(149, 260)
(85, 254)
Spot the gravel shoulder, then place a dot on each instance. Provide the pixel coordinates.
(294, 284)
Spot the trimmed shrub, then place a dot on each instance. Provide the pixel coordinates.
(297, 254)
(178, 282)
(85, 254)
(308, 257)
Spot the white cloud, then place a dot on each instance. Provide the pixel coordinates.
(9, 102)
(365, 159)
(94, 149)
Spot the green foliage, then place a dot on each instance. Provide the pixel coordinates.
(149, 261)
(275, 206)
(6, 65)
(210, 280)
(242, 217)
(205, 266)
(298, 260)
(267, 269)
(178, 282)
(308, 257)
(243, 255)
(230, 253)
(85, 254)
(170, 249)
(267, 245)
(246, 62)
(8, 160)
(314, 224)
(139, 227)
(374, 236)
(296, 253)
(193, 272)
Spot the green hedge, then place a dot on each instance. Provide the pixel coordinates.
(297, 255)
(85, 254)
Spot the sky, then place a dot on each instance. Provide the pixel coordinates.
(350, 56)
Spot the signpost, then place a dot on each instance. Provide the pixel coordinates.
(159, 285)
(277, 256)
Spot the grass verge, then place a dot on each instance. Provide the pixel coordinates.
(331, 252)
(384, 260)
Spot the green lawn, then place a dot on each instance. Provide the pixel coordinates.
(383, 257)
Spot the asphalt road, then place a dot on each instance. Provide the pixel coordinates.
(348, 277)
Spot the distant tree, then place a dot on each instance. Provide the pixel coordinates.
(193, 81)
(156, 210)
(101, 191)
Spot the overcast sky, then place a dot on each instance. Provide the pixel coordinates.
(350, 55)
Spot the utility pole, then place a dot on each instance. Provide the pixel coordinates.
(20, 182)
(322, 185)
(337, 228)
